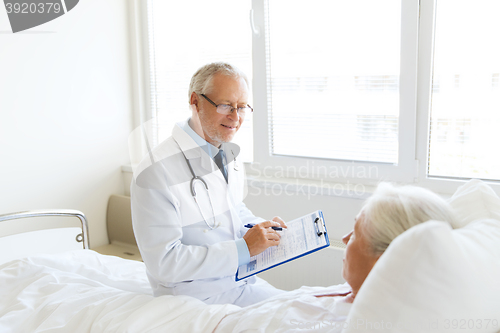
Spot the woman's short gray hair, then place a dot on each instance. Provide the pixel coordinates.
(202, 79)
(391, 210)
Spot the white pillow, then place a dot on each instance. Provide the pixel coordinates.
(474, 201)
(434, 278)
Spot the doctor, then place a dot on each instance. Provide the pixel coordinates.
(187, 202)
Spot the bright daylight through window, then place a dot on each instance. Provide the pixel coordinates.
(465, 111)
(335, 79)
(336, 72)
(182, 40)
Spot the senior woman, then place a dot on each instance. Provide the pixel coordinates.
(389, 212)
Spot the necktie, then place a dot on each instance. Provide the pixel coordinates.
(219, 160)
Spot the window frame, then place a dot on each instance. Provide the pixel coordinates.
(405, 170)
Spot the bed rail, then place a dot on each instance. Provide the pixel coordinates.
(53, 212)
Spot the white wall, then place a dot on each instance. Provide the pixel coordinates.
(65, 112)
(339, 212)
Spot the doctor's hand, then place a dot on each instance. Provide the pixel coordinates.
(262, 236)
(280, 221)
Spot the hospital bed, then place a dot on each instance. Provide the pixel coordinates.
(431, 278)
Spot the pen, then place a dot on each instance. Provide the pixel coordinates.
(250, 225)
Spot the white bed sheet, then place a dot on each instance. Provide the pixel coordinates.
(83, 291)
(295, 311)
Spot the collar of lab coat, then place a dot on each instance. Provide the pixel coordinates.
(191, 149)
(209, 148)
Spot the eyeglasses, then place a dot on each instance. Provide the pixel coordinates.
(228, 109)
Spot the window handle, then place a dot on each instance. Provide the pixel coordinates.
(255, 29)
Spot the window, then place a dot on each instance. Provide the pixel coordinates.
(339, 83)
(335, 82)
(333, 98)
(465, 110)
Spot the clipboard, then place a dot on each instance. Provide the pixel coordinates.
(303, 236)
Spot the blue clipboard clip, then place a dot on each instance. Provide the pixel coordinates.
(320, 226)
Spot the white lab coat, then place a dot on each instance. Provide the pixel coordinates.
(182, 255)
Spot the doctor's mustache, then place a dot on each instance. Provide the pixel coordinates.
(174, 170)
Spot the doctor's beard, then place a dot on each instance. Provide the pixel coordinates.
(213, 132)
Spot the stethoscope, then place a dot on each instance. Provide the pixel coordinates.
(205, 185)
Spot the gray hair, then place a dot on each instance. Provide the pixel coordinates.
(391, 210)
(202, 79)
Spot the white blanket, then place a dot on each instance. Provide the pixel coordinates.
(83, 291)
(297, 310)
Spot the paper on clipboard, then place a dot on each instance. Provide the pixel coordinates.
(304, 235)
